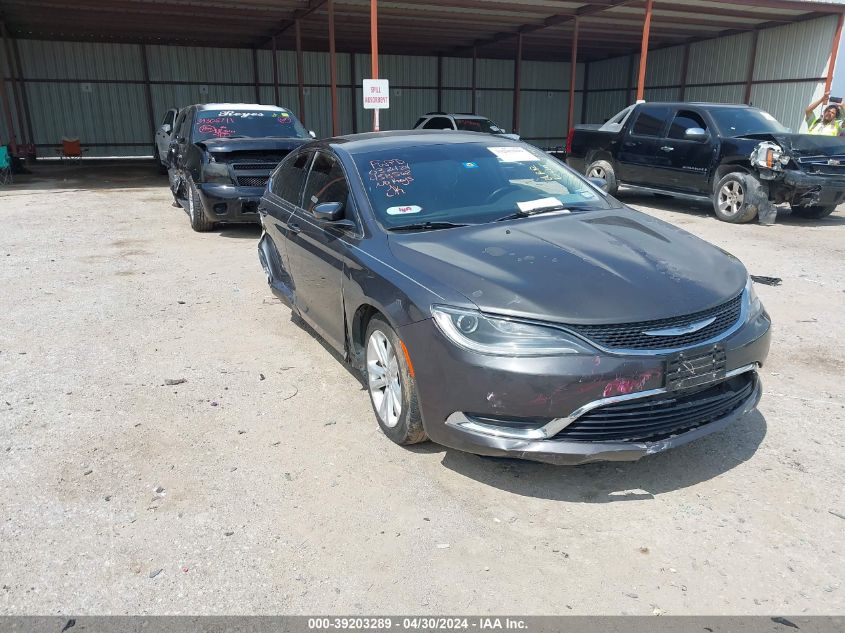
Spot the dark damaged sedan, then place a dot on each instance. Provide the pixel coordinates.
(497, 302)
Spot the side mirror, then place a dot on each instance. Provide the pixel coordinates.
(166, 128)
(312, 133)
(328, 211)
(695, 134)
(601, 183)
(181, 139)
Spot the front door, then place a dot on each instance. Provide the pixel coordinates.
(684, 164)
(317, 251)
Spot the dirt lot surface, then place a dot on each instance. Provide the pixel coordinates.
(262, 484)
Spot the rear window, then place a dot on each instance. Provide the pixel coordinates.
(477, 125)
(651, 121)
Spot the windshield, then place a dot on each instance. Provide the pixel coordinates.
(478, 125)
(743, 121)
(247, 123)
(469, 183)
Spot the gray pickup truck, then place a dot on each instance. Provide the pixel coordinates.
(738, 156)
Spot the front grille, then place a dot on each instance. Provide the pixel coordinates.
(631, 336)
(254, 166)
(253, 181)
(662, 416)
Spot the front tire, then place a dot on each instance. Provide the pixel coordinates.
(604, 170)
(815, 212)
(391, 385)
(739, 197)
(199, 222)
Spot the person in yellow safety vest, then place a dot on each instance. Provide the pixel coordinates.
(830, 123)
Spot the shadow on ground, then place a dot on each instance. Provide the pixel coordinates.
(609, 482)
(89, 174)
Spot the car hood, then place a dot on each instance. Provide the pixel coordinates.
(251, 144)
(617, 266)
(803, 144)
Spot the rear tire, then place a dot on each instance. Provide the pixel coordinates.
(739, 197)
(815, 212)
(603, 169)
(199, 222)
(392, 388)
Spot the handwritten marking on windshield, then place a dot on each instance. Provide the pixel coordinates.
(392, 175)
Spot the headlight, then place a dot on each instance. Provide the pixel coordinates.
(504, 337)
(755, 306)
(216, 172)
(769, 155)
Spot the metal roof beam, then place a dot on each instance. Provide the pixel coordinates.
(284, 25)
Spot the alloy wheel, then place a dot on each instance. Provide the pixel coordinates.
(731, 198)
(383, 379)
(597, 172)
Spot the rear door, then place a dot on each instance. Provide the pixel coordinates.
(317, 250)
(282, 197)
(638, 151)
(684, 164)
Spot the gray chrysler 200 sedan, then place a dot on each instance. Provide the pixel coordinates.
(497, 302)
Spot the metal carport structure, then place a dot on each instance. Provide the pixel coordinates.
(540, 64)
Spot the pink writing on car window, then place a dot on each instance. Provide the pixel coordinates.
(392, 174)
(215, 130)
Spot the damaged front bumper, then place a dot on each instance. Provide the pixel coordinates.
(230, 203)
(577, 409)
(803, 189)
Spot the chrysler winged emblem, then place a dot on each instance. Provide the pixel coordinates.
(681, 329)
(833, 162)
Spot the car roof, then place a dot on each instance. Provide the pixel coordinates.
(462, 115)
(370, 141)
(238, 106)
(704, 104)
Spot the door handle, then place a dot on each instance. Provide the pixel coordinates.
(294, 227)
(666, 148)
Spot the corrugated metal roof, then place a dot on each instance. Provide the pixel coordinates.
(449, 27)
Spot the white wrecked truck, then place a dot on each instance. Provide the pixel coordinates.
(738, 156)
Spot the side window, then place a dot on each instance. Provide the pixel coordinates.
(684, 120)
(168, 118)
(419, 122)
(184, 129)
(326, 182)
(178, 124)
(439, 123)
(287, 182)
(651, 121)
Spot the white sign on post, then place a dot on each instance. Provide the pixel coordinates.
(376, 94)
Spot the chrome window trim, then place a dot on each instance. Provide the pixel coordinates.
(460, 420)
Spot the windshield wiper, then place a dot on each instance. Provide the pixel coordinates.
(427, 226)
(539, 210)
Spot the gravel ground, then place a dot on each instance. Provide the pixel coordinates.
(261, 483)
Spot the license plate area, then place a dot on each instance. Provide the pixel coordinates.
(695, 368)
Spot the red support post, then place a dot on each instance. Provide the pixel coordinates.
(752, 61)
(474, 75)
(834, 51)
(517, 84)
(333, 70)
(299, 80)
(644, 50)
(17, 86)
(684, 70)
(573, 66)
(255, 75)
(374, 53)
(275, 74)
